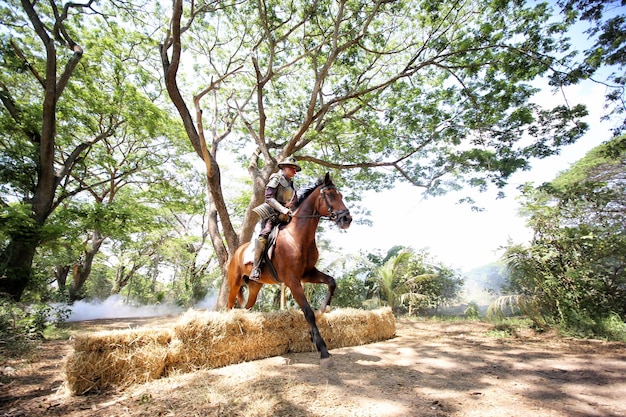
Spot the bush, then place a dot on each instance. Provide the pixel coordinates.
(472, 311)
(22, 326)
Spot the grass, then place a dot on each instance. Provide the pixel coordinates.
(510, 327)
(54, 332)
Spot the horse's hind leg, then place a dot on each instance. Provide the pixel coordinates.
(235, 282)
(297, 292)
(317, 277)
(234, 294)
(253, 292)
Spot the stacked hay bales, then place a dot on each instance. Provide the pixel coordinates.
(117, 359)
(342, 328)
(212, 339)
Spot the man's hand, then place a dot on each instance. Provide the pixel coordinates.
(285, 216)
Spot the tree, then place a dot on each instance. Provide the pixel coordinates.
(185, 252)
(59, 107)
(607, 31)
(428, 284)
(387, 278)
(121, 219)
(434, 93)
(405, 277)
(573, 272)
(58, 50)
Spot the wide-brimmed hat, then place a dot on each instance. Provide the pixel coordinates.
(290, 161)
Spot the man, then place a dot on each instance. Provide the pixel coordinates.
(280, 193)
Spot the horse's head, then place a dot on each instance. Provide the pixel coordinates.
(332, 204)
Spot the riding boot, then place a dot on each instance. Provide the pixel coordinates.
(259, 247)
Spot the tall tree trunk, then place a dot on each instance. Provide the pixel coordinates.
(121, 279)
(226, 240)
(60, 275)
(17, 260)
(82, 269)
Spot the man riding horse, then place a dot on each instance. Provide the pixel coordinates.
(295, 250)
(280, 193)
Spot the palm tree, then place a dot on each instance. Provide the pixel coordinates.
(385, 276)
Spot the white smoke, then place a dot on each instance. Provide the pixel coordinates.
(116, 307)
(207, 304)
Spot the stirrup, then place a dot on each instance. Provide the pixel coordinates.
(255, 274)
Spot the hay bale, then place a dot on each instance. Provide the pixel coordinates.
(117, 359)
(343, 328)
(212, 339)
(115, 339)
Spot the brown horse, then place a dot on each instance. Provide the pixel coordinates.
(295, 255)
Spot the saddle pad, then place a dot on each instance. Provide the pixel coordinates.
(248, 255)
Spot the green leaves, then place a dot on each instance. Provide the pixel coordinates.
(15, 220)
(574, 268)
(415, 280)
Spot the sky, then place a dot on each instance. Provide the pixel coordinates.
(454, 234)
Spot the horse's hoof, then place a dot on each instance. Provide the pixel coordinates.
(327, 362)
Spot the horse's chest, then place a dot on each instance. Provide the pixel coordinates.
(297, 258)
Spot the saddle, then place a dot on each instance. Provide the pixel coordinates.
(271, 243)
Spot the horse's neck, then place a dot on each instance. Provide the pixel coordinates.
(304, 224)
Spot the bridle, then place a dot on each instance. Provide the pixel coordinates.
(334, 216)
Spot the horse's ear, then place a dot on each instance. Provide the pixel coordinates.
(327, 180)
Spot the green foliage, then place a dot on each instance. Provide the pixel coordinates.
(472, 311)
(401, 279)
(99, 284)
(21, 326)
(505, 307)
(606, 29)
(351, 292)
(15, 219)
(573, 273)
(466, 74)
(613, 327)
(74, 145)
(438, 284)
(387, 277)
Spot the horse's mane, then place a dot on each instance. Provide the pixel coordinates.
(302, 195)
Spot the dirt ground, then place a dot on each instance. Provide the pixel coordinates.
(430, 368)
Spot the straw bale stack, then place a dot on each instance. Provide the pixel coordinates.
(342, 328)
(212, 339)
(117, 359)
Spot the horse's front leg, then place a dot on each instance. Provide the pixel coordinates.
(297, 292)
(317, 277)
